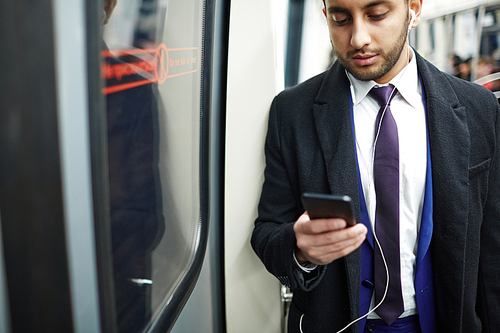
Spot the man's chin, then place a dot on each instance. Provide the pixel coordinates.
(365, 73)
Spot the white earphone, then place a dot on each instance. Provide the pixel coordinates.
(412, 12)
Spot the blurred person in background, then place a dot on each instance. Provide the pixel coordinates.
(455, 63)
(465, 69)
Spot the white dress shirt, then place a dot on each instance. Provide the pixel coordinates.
(408, 110)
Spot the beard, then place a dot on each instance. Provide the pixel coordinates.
(390, 58)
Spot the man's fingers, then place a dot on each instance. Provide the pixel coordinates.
(306, 226)
(322, 241)
(335, 241)
(335, 236)
(326, 254)
(325, 247)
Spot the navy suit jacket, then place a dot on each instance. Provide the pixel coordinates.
(310, 148)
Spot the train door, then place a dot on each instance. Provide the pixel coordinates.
(45, 186)
(104, 182)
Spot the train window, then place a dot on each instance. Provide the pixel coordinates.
(155, 91)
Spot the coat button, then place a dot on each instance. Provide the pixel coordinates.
(367, 284)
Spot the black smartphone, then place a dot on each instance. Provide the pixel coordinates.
(328, 206)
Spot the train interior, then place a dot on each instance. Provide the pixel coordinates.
(131, 142)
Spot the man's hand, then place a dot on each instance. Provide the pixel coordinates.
(322, 241)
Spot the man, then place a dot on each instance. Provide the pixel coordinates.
(326, 136)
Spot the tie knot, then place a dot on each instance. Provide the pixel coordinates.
(383, 94)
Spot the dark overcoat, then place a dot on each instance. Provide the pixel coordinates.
(310, 148)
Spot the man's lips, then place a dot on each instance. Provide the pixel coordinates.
(364, 60)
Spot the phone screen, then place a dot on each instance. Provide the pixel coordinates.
(328, 206)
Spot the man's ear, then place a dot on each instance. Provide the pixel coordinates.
(416, 6)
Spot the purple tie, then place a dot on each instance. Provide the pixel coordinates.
(386, 179)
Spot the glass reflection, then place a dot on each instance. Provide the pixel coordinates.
(134, 188)
(150, 64)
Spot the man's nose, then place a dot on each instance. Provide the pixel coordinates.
(360, 35)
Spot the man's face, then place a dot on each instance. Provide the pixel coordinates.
(369, 36)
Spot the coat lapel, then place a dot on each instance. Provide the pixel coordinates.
(450, 148)
(333, 125)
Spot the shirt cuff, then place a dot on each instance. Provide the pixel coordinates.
(306, 267)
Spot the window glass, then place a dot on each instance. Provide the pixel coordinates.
(151, 66)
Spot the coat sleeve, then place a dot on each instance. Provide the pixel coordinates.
(488, 302)
(273, 238)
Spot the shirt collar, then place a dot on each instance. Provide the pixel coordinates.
(406, 81)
